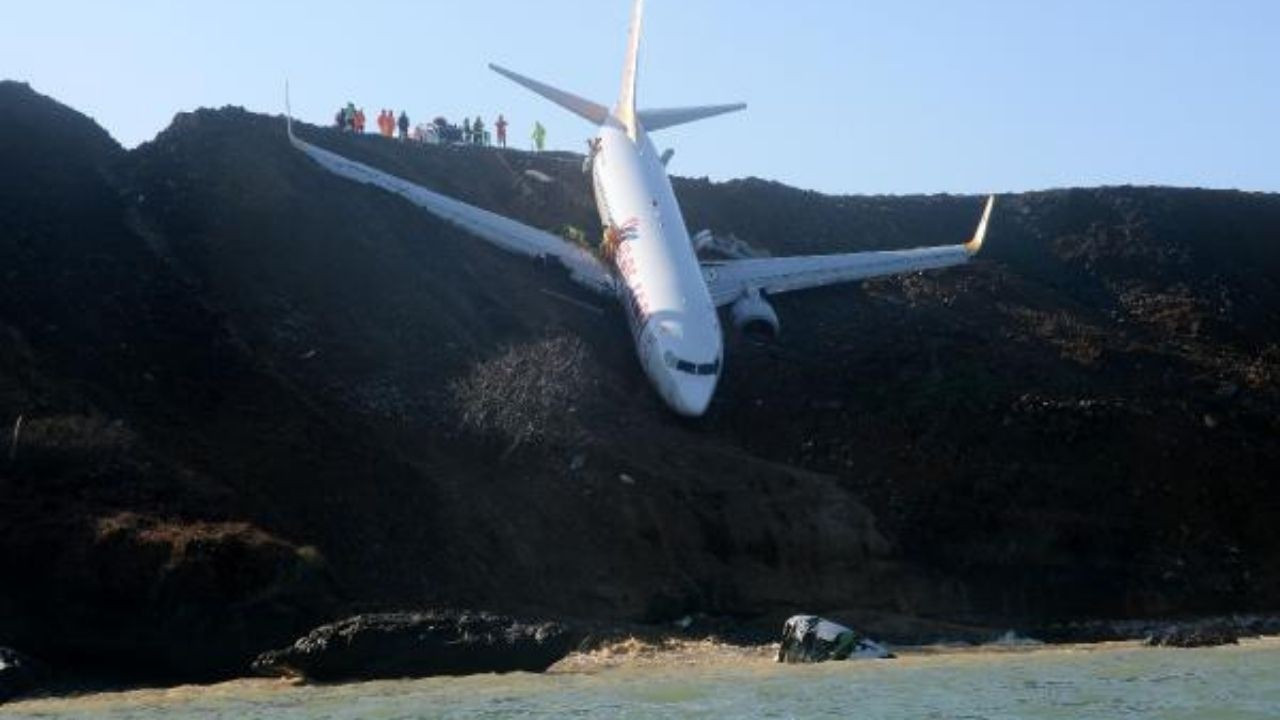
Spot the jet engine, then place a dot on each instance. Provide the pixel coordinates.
(753, 315)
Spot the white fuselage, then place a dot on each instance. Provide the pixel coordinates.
(673, 321)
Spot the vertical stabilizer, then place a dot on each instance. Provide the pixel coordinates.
(627, 100)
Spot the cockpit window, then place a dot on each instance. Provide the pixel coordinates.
(689, 368)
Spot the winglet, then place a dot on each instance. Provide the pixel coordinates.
(974, 245)
(288, 112)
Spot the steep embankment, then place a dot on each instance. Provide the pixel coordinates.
(1081, 422)
(329, 397)
(255, 394)
(120, 552)
(1086, 417)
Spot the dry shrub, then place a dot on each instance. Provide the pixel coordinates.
(530, 393)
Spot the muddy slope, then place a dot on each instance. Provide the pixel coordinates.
(256, 396)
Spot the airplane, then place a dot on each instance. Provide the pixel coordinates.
(646, 260)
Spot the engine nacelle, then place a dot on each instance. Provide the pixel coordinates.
(753, 315)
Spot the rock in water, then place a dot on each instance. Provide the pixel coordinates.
(810, 639)
(19, 674)
(400, 645)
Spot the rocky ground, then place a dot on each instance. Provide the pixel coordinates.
(249, 398)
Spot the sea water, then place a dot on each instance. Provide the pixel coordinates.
(1104, 682)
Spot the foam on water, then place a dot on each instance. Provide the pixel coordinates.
(1105, 681)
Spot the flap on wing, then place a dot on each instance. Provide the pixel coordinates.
(728, 280)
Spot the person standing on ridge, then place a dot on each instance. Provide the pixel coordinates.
(382, 123)
(404, 125)
(466, 131)
(593, 149)
(539, 137)
(478, 128)
(360, 121)
(501, 125)
(349, 117)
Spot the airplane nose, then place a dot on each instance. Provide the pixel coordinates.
(692, 396)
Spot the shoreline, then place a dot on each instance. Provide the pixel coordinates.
(632, 657)
(631, 653)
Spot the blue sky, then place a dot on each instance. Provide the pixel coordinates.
(846, 96)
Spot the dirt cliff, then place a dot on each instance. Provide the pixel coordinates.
(254, 396)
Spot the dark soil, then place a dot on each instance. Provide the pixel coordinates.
(255, 397)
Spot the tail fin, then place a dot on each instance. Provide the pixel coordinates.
(627, 100)
(586, 109)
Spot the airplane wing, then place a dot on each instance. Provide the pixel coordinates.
(508, 234)
(730, 279)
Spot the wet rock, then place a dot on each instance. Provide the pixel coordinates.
(19, 674)
(1155, 631)
(398, 645)
(810, 639)
(1193, 636)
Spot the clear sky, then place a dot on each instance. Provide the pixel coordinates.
(846, 96)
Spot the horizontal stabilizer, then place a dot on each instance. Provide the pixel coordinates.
(593, 112)
(653, 120)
